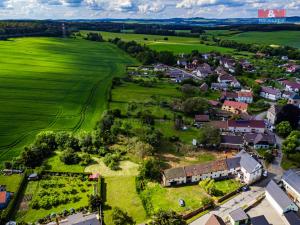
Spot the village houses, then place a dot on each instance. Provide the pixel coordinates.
(244, 167)
(235, 107)
(270, 93)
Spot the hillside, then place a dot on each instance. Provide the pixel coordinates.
(53, 83)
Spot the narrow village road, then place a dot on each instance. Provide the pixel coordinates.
(239, 201)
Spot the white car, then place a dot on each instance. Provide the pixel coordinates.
(265, 174)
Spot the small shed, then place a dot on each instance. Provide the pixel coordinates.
(94, 177)
(238, 217)
(4, 199)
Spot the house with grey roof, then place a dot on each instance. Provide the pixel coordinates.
(279, 199)
(259, 220)
(238, 217)
(174, 176)
(270, 93)
(260, 141)
(243, 167)
(291, 183)
(232, 142)
(251, 170)
(291, 218)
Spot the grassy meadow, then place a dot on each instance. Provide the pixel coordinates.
(175, 44)
(53, 84)
(290, 38)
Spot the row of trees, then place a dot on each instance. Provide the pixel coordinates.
(292, 53)
(145, 54)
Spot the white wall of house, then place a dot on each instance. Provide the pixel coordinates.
(250, 178)
(179, 180)
(246, 129)
(270, 96)
(291, 207)
(291, 191)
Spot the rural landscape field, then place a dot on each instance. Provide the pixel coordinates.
(149, 119)
(53, 84)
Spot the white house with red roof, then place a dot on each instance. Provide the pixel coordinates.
(270, 93)
(291, 85)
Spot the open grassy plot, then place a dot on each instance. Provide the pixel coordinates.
(11, 182)
(53, 195)
(290, 38)
(53, 84)
(167, 198)
(175, 44)
(227, 186)
(120, 192)
(55, 164)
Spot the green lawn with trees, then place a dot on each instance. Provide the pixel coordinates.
(53, 84)
(166, 43)
(11, 182)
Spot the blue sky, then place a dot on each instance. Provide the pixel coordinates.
(92, 9)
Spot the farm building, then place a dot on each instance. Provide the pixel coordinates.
(278, 199)
(243, 166)
(232, 142)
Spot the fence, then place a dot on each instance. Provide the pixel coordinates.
(197, 211)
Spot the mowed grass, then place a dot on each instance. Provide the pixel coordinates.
(227, 186)
(53, 84)
(168, 198)
(290, 38)
(11, 182)
(175, 44)
(120, 192)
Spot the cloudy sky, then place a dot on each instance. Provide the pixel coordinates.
(92, 9)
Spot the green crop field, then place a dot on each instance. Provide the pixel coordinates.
(176, 44)
(53, 84)
(290, 38)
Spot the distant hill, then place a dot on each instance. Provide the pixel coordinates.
(196, 21)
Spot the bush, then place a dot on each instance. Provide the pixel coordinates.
(112, 160)
(70, 157)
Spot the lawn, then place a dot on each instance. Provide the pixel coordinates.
(71, 188)
(227, 186)
(53, 84)
(55, 164)
(120, 192)
(176, 44)
(290, 38)
(11, 182)
(167, 198)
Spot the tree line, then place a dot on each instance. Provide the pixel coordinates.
(144, 54)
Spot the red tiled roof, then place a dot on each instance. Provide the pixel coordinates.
(94, 176)
(213, 103)
(229, 94)
(215, 220)
(246, 123)
(2, 197)
(199, 169)
(292, 84)
(236, 105)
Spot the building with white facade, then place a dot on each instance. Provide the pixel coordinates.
(278, 199)
(291, 183)
(270, 93)
(243, 167)
(246, 126)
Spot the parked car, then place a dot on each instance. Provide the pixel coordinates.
(265, 173)
(245, 188)
(181, 202)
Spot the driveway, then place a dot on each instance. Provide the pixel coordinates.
(275, 166)
(241, 200)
